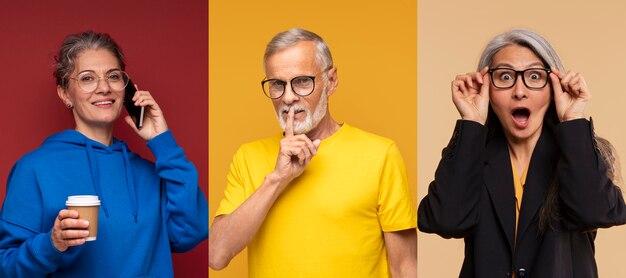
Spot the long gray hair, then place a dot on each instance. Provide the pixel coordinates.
(522, 37)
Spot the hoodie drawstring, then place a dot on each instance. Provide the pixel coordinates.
(130, 183)
(95, 177)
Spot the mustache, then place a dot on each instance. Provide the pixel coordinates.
(296, 108)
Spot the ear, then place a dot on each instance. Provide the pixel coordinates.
(332, 81)
(63, 95)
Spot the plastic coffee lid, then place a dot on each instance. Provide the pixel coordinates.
(82, 200)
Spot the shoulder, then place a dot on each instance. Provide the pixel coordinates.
(54, 148)
(136, 160)
(362, 138)
(40, 156)
(262, 147)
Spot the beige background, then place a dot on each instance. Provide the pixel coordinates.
(589, 37)
(374, 46)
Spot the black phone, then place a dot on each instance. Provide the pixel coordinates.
(135, 112)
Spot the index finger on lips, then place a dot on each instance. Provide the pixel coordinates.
(289, 124)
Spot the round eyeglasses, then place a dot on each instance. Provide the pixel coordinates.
(89, 81)
(533, 78)
(300, 85)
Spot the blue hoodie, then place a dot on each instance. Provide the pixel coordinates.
(147, 210)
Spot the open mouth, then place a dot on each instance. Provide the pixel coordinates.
(521, 116)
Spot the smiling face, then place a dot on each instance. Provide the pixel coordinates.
(300, 60)
(101, 107)
(520, 109)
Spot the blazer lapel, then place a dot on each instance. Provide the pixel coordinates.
(537, 180)
(499, 182)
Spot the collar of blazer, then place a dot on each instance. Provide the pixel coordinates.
(499, 182)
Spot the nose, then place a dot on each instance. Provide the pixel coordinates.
(290, 96)
(519, 90)
(103, 86)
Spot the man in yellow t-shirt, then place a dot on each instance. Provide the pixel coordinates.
(322, 199)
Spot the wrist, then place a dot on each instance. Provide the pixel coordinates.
(273, 179)
(480, 121)
(572, 117)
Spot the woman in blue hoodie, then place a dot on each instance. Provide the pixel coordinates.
(148, 210)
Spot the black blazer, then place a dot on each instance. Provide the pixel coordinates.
(472, 197)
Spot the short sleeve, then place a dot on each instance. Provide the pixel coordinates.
(396, 211)
(235, 193)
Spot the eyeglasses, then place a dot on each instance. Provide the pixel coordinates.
(300, 85)
(533, 78)
(89, 81)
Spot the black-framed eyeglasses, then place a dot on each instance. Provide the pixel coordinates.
(533, 78)
(88, 81)
(300, 85)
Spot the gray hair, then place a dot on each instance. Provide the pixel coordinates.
(540, 47)
(522, 37)
(73, 45)
(291, 37)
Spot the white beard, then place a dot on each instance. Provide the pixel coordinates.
(310, 121)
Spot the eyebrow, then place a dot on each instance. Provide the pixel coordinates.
(535, 64)
(93, 71)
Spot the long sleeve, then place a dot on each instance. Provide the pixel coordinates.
(25, 250)
(186, 206)
(589, 199)
(450, 208)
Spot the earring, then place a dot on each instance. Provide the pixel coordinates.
(69, 105)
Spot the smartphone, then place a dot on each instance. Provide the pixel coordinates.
(135, 112)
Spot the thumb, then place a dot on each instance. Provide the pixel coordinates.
(556, 85)
(130, 122)
(484, 70)
(484, 88)
(317, 143)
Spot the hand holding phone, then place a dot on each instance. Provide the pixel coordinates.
(135, 112)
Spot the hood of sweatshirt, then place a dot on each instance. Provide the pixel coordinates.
(75, 139)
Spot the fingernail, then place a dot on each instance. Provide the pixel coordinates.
(85, 222)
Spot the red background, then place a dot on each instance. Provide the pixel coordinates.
(166, 48)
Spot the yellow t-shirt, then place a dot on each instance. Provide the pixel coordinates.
(329, 222)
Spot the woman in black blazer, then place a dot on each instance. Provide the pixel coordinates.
(523, 180)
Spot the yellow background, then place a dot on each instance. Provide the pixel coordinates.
(589, 36)
(374, 46)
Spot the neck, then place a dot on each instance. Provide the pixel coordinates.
(324, 129)
(521, 150)
(101, 134)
